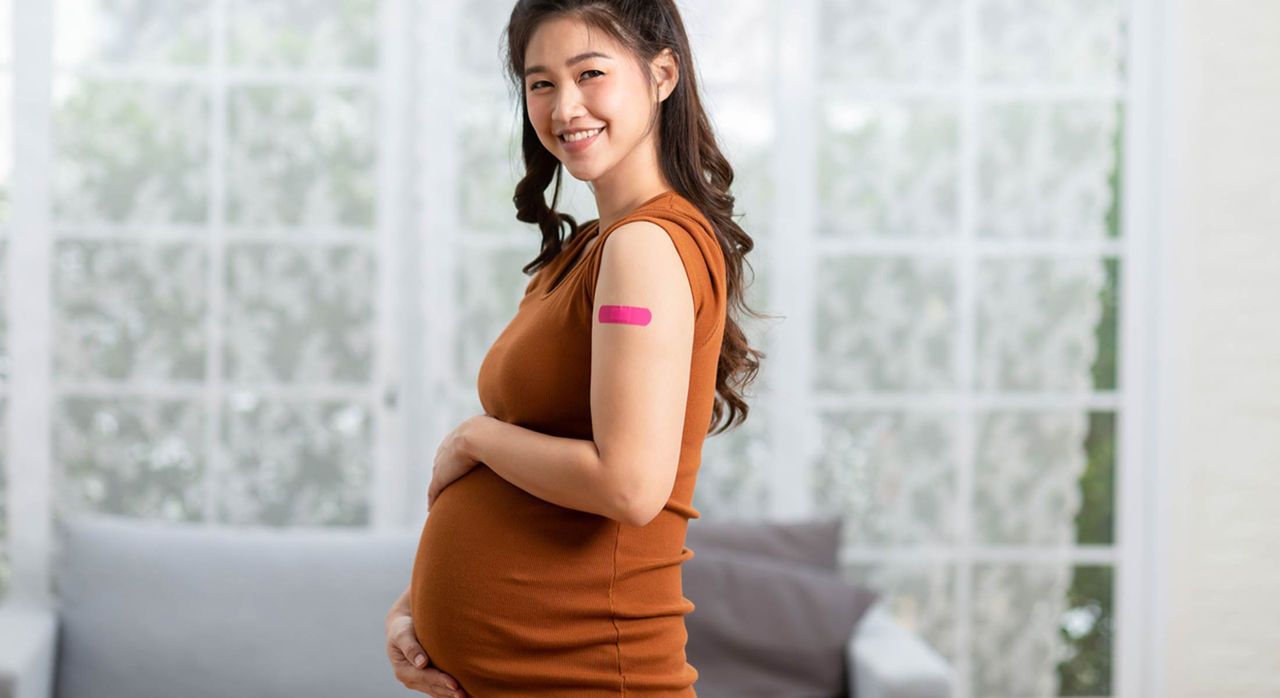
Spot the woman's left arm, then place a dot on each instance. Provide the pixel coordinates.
(558, 469)
(641, 337)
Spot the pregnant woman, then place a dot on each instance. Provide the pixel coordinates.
(550, 560)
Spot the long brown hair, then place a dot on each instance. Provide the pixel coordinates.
(689, 156)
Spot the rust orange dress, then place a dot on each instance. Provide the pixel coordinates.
(515, 596)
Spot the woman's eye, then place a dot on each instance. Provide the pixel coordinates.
(534, 86)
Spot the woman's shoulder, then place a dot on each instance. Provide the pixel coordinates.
(688, 229)
(671, 211)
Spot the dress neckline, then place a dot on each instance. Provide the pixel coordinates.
(591, 230)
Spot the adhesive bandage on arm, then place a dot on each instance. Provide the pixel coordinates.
(625, 314)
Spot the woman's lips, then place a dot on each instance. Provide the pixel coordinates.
(581, 145)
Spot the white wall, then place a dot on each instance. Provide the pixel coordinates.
(1221, 387)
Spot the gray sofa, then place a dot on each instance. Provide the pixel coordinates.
(155, 610)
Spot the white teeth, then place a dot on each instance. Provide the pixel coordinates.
(583, 134)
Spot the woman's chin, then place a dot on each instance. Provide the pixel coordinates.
(579, 173)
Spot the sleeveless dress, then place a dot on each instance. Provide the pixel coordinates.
(515, 596)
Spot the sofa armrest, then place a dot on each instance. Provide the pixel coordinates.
(28, 637)
(887, 660)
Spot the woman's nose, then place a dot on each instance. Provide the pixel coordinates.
(568, 106)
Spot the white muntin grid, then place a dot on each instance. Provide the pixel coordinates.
(33, 393)
(214, 387)
(29, 256)
(437, 236)
(391, 465)
(417, 244)
(1134, 666)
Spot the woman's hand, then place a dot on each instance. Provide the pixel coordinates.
(453, 459)
(402, 646)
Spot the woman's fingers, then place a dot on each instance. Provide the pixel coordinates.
(410, 662)
(427, 680)
(400, 632)
(438, 685)
(435, 682)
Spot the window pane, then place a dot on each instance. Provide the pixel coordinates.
(130, 311)
(130, 456)
(1027, 474)
(889, 170)
(1043, 630)
(1044, 169)
(1037, 323)
(885, 323)
(130, 151)
(6, 146)
(139, 32)
(891, 475)
(869, 41)
(295, 462)
(920, 596)
(1041, 41)
(299, 314)
(301, 157)
(310, 34)
(488, 146)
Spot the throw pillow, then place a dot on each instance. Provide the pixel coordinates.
(815, 542)
(768, 628)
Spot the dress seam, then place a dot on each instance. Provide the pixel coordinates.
(613, 617)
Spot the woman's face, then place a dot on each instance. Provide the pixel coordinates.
(604, 89)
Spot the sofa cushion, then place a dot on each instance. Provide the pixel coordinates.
(813, 542)
(764, 627)
(150, 609)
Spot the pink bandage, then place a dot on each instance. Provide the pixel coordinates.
(625, 314)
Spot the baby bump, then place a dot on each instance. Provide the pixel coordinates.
(501, 575)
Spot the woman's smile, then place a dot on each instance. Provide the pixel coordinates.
(575, 143)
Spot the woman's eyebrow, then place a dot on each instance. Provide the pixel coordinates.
(576, 59)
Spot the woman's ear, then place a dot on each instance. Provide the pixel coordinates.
(666, 72)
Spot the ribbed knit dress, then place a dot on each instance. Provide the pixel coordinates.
(515, 596)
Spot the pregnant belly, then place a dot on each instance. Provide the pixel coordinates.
(509, 589)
